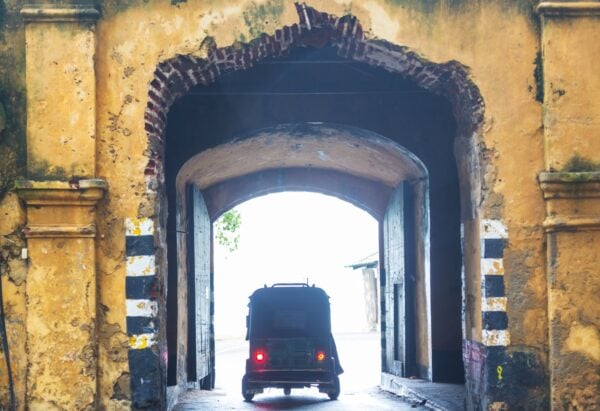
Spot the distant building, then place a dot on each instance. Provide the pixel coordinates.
(369, 267)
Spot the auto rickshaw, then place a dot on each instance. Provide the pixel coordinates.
(290, 341)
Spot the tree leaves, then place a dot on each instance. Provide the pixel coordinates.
(227, 230)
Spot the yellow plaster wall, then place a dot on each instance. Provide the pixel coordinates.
(498, 44)
(61, 87)
(572, 84)
(14, 275)
(60, 321)
(574, 311)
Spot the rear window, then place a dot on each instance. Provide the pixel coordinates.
(287, 319)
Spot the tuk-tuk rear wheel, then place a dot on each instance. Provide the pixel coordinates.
(287, 391)
(335, 393)
(248, 396)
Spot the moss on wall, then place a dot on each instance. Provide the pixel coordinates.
(12, 96)
(263, 17)
(579, 164)
(538, 75)
(12, 165)
(428, 6)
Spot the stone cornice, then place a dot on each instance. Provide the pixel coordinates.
(553, 224)
(573, 190)
(563, 8)
(570, 184)
(60, 231)
(68, 198)
(82, 192)
(39, 13)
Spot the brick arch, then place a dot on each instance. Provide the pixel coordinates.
(174, 77)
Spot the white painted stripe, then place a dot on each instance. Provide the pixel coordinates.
(495, 338)
(140, 265)
(493, 304)
(141, 308)
(493, 229)
(492, 266)
(139, 226)
(141, 341)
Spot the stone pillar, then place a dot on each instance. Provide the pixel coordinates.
(61, 91)
(60, 199)
(573, 243)
(571, 187)
(61, 293)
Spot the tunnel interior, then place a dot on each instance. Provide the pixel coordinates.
(309, 86)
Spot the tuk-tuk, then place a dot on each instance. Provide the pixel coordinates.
(290, 341)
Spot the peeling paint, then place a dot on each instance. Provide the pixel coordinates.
(142, 265)
(493, 304)
(142, 308)
(137, 227)
(495, 338)
(585, 340)
(142, 341)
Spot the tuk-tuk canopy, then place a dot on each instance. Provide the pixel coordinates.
(289, 310)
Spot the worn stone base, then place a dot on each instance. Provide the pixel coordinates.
(436, 396)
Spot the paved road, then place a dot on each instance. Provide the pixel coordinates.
(359, 354)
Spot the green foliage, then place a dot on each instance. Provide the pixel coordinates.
(227, 230)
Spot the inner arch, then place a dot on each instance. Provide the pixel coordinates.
(343, 149)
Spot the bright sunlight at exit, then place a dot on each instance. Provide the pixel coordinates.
(298, 237)
(295, 237)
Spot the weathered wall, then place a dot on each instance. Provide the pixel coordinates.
(497, 40)
(571, 190)
(13, 270)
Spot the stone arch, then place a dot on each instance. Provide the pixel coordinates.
(356, 165)
(174, 77)
(295, 153)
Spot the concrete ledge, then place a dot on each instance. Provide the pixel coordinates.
(436, 396)
(59, 14)
(563, 8)
(82, 192)
(60, 231)
(570, 184)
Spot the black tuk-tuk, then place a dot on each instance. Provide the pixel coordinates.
(291, 345)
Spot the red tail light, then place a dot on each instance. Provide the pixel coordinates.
(320, 356)
(260, 356)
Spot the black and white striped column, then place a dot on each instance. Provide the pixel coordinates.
(142, 312)
(495, 335)
(493, 305)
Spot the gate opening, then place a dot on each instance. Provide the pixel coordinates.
(297, 237)
(382, 138)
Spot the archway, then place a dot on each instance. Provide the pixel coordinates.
(442, 92)
(353, 164)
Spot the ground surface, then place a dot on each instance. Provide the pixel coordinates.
(359, 354)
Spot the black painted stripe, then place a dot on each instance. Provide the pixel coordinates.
(496, 357)
(495, 320)
(141, 287)
(494, 286)
(144, 366)
(494, 247)
(139, 245)
(141, 325)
